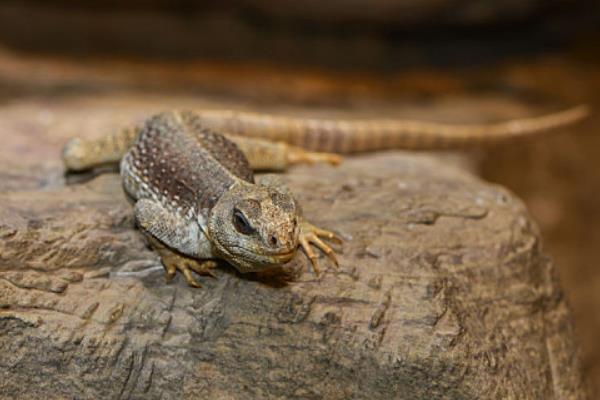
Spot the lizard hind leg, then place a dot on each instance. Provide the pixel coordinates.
(297, 155)
(263, 154)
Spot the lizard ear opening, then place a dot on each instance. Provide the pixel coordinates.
(241, 224)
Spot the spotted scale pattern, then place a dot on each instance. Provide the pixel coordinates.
(182, 164)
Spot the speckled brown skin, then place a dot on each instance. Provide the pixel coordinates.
(196, 199)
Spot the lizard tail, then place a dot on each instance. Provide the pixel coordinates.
(352, 136)
(81, 154)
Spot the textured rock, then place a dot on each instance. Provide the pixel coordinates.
(444, 289)
(444, 292)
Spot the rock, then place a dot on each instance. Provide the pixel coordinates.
(444, 291)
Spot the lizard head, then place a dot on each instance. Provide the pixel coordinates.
(255, 227)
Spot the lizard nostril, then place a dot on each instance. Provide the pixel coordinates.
(273, 240)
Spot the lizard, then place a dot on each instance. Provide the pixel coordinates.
(196, 199)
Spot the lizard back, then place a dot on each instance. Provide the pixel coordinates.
(181, 163)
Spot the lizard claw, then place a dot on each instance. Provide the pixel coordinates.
(174, 262)
(310, 236)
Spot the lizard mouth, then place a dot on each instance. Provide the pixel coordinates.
(246, 258)
(270, 258)
(283, 258)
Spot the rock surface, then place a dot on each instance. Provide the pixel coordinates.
(444, 291)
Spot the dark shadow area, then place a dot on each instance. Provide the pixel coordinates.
(385, 35)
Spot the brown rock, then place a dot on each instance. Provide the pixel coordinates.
(443, 292)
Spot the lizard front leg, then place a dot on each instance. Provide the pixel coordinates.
(310, 236)
(173, 261)
(179, 242)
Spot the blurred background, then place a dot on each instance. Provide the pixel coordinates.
(96, 65)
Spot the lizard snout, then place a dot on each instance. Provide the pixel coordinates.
(280, 242)
(273, 241)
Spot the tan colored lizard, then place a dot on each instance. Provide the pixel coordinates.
(196, 198)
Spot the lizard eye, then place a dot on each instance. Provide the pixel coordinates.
(241, 224)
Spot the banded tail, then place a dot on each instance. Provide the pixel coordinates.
(353, 136)
(329, 135)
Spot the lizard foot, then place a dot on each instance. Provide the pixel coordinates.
(310, 236)
(298, 156)
(173, 262)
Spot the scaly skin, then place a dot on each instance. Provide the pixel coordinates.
(196, 199)
(195, 192)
